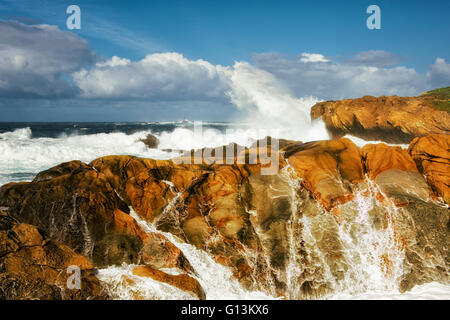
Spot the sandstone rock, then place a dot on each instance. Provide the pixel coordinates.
(203, 204)
(158, 252)
(381, 157)
(75, 205)
(391, 119)
(32, 267)
(88, 215)
(145, 184)
(422, 228)
(432, 157)
(181, 281)
(395, 172)
(11, 193)
(327, 169)
(263, 227)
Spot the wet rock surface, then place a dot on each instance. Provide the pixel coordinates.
(335, 217)
(392, 119)
(34, 267)
(432, 157)
(151, 141)
(181, 281)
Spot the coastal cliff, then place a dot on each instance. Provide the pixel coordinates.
(389, 118)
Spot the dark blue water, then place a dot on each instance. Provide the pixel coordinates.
(56, 129)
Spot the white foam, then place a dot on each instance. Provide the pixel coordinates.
(127, 286)
(428, 291)
(23, 157)
(361, 142)
(18, 134)
(216, 279)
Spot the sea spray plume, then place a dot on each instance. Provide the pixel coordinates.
(269, 104)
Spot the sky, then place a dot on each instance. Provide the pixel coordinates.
(211, 60)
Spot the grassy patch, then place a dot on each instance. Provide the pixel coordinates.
(440, 98)
(441, 93)
(442, 105)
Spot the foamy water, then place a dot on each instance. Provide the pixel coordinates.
(216, 279)
(22, 157)
(428, 291)
(125, 285)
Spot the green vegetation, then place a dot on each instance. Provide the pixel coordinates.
(441, 93)
(442, 105)
(440, 97)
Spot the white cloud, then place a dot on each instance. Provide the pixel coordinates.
(337, 80)
(157, 77)
(439, 74)
(42, 61)
(312, 57)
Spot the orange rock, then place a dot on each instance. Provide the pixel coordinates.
(181, 281)
(126, 224)
(432, 157)
(381, 157)
(77, 206)
(392, 119)
(158, 252)
(328, 168)
(395, 172)
(143, 182)
(37, 268)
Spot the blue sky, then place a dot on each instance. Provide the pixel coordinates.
(269, 35)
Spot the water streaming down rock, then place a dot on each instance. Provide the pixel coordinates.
(352, 253)
(307, 271)
(361, 255)
(125, 285)
(216, 279)
(374, 256)
(246, 235)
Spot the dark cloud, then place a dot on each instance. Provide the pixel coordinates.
(375, 58)
(37, 61)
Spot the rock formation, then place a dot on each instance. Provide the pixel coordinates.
(151, 141)
(35, 267)
(392, 119)
(331, 210)
(432, 156)
(181, 281)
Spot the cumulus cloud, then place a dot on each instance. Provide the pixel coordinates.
(337, 80)
(312, 57)
(157, 77)
(439, 74)
(36, 61)
(42, 61)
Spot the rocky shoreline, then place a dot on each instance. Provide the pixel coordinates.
(262, 227)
